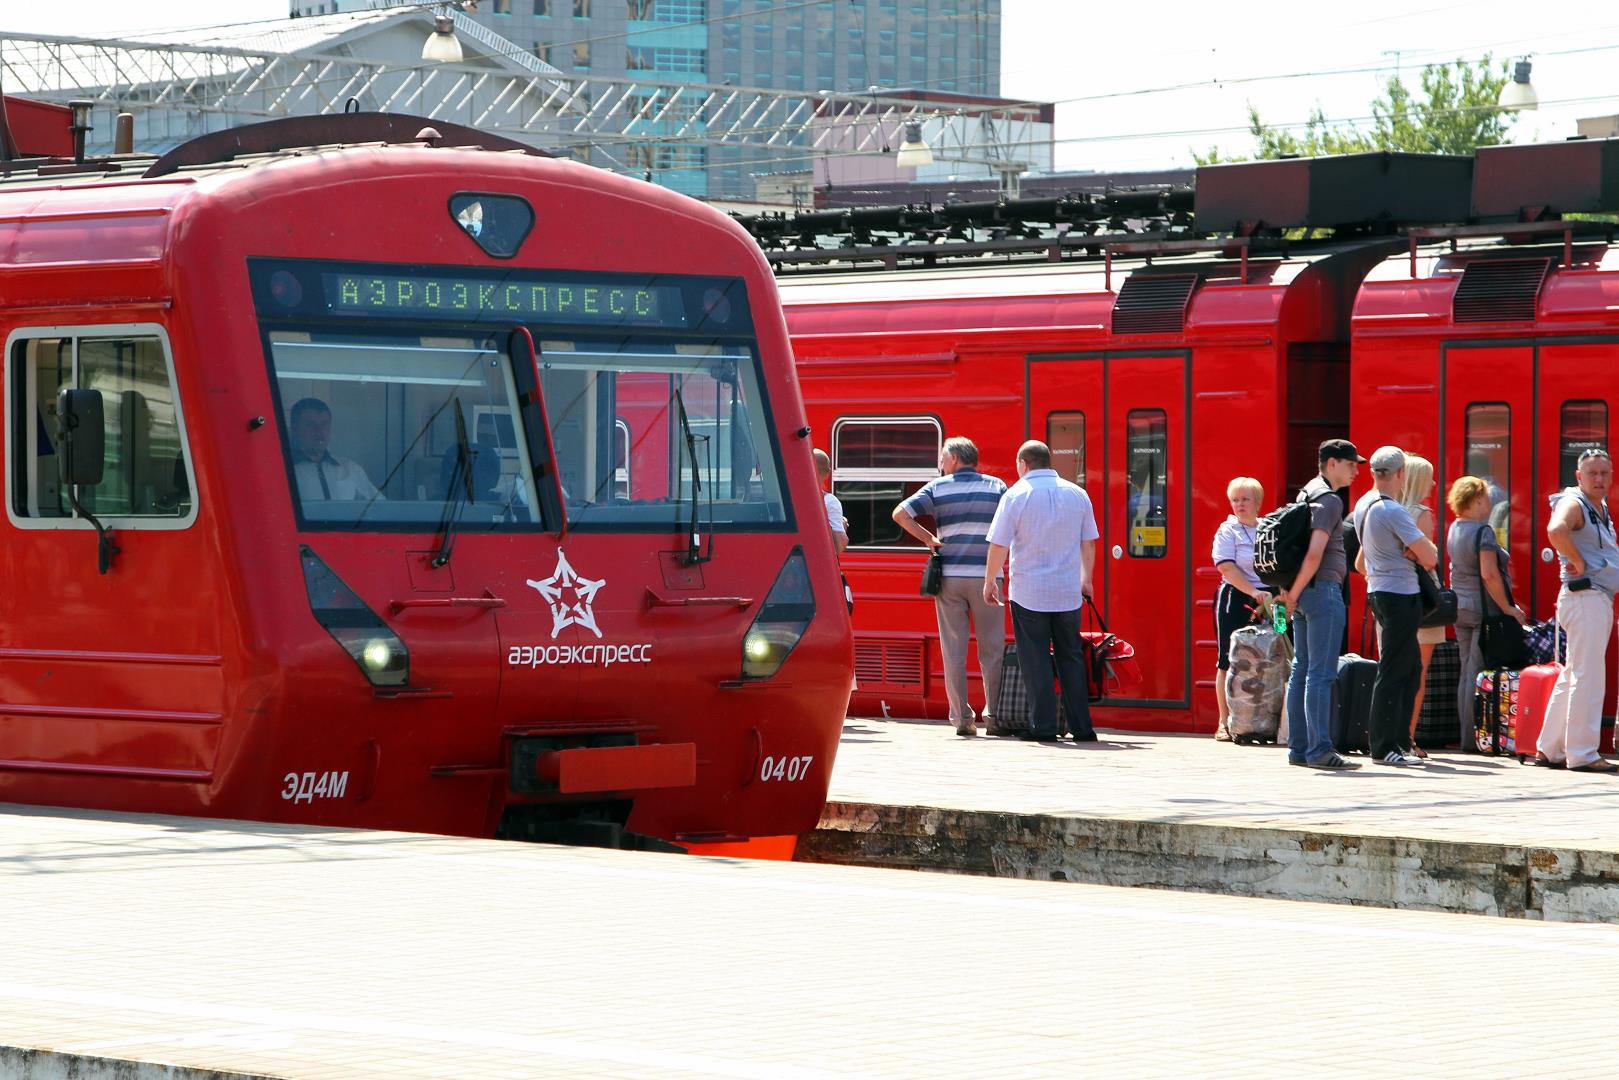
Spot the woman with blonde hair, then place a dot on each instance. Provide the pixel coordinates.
(1418, 485)
(1241, 595)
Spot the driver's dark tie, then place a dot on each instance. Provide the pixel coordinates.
(320, 471)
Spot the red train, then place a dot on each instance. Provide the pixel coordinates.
(385, 475)
(1302, 300)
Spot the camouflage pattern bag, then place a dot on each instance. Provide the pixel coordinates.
(1256, 684)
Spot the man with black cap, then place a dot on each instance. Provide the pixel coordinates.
(1392, 547)
(1315, 603)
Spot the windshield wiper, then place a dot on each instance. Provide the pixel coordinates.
(461, 487)
(694, 547)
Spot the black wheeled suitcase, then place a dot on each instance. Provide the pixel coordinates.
(1352, 704)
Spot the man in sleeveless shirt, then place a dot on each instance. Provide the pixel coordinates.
(1581, 530)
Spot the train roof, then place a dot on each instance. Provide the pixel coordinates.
(124, 205)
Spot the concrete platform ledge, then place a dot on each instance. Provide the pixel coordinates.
(22, 1063)
(1551, 883)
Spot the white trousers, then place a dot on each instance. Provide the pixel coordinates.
(1573, 726)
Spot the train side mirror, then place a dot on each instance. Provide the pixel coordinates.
(81, 436)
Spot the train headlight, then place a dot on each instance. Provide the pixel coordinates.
(782, 620)
(373, 646)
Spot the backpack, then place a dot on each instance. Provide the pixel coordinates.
(1281, 542)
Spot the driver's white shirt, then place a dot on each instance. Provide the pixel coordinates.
(344, 480)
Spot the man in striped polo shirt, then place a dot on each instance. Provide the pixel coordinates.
(962, 503)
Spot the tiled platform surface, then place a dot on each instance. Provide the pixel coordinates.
(1467, 833)
(137, 948)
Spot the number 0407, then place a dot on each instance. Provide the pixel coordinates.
(789, 769)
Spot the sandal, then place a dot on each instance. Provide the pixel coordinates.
(1222, 735)
(1598, 766)
(1419, 751)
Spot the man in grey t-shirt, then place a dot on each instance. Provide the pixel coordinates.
(1392, 549)
(1315, 602)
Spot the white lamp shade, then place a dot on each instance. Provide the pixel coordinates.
(914, 156)
(1518, 95)
(441, 46)
(913, 152)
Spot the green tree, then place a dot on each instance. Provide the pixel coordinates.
(1455, 112)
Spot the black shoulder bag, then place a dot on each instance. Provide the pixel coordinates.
(1501, 640)
(933, 575)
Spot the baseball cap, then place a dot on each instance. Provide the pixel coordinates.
(1342, 449)
(1386, 459)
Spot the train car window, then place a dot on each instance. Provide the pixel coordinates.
(1489, 457)
(1147, 479)
(635, 423)
(147, 479)
(1583, 425)
(877, 463)
(383, 430)
(1065, 434)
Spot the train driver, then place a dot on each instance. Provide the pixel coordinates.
(321, 474)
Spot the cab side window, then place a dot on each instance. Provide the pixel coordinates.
(878, 463)
(146, 475)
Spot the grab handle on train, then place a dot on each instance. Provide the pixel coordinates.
(521, 334)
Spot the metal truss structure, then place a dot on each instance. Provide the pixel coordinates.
(200, 82)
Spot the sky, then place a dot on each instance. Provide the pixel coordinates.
(1178, 80)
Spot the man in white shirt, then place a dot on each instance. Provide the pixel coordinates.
(323, 476)
(1047, 526)
(834, 508)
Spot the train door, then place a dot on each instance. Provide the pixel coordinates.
(1148, 507)
(1117, 425)
(1518, 416)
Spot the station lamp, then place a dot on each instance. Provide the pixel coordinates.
(1519, 95)
(913, 152)
(442, 46)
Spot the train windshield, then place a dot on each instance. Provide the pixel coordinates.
(403, 390)
(644, 428)
(389, 430)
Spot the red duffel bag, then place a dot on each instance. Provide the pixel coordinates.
(1110, 661)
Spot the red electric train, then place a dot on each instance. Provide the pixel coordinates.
(370, 473)
(1289, 308)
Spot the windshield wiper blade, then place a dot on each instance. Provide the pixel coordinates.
(694, 546)
(461, 487)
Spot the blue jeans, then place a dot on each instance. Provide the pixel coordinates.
(1318, 628)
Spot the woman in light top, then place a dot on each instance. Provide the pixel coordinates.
(1478, 575)
(1418, 486)
(1241, 595)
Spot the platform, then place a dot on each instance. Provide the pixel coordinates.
(140, 948)
(1466, 833)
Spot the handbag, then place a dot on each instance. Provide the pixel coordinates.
(933, 575)
(1501, 641)
(1110, 661)
(1438, 602)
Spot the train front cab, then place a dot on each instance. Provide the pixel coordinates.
(1154, 380)
(515, 624)
(1491, 348)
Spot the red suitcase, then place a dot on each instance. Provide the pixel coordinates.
(1534, 693)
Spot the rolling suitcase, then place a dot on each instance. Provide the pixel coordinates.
(1437, 724)
(1352, 704)
(1496, 711)
(1534, 694)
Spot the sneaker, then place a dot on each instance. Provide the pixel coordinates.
(1398, 757)
(1332, 761)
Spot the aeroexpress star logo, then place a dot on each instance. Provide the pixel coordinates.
(570, 597)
